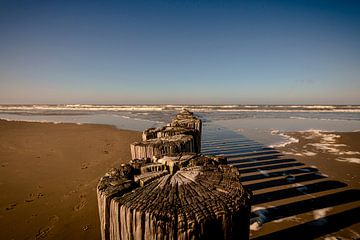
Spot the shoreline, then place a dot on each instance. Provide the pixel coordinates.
(289, 135)
(286, 139)
(79, 123)
(121, 122)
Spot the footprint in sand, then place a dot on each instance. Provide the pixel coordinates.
(44, 231)
(81, 204)
(4, 164)
(33, 196)
(11, 206)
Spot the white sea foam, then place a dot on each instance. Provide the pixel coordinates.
(327, 147)
(287, 139)
(255, 226)
(80, 107)
(349, 153)
(322, 174)
(328, 143)
(292, 153)
(303, 153)
(257, 222)
(320, 214)
(198, 108)
(33, 121)
(263, 172)
(330, 137)
(309, 154)
(350, 160)
(311, 130)
(334, 238)
(300, 118)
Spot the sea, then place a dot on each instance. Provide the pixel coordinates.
(265, 124)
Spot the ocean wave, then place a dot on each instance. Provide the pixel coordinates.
(35, 121)
(196, 108)
(316, 118)
(78, 107)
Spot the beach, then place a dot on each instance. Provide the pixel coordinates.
(49, 173)
(48, 177)
(189, 120)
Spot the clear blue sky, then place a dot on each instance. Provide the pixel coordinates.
(242, 52)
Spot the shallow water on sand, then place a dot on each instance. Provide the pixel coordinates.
(268, 130)
(263, 123)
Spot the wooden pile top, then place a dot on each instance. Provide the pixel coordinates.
(192, 197)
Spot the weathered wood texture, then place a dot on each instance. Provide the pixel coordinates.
(169, 131)
(115, 182)
(186, 119)
(198, 198)
(155, 148)
(184, 124)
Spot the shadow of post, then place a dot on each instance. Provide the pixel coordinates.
(316, 228)
(257, 163)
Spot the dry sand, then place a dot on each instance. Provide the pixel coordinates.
(48, 177)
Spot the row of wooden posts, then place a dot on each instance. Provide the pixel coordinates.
(170, 191)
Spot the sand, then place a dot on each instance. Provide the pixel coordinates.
(336, 154)
(48, 177)
(322, 202)
(48, 174)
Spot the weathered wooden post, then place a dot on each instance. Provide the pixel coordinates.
(201, 199)
(182, 135)
(157, 147)
(186, 119)
(169, 191)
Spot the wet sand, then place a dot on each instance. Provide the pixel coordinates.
(336, 154)
(322, 202)
(48, 177)
(306, 190)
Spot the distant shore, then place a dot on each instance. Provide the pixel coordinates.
(48, 177)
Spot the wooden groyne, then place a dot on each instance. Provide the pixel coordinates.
(183, 134)
(170, 191)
